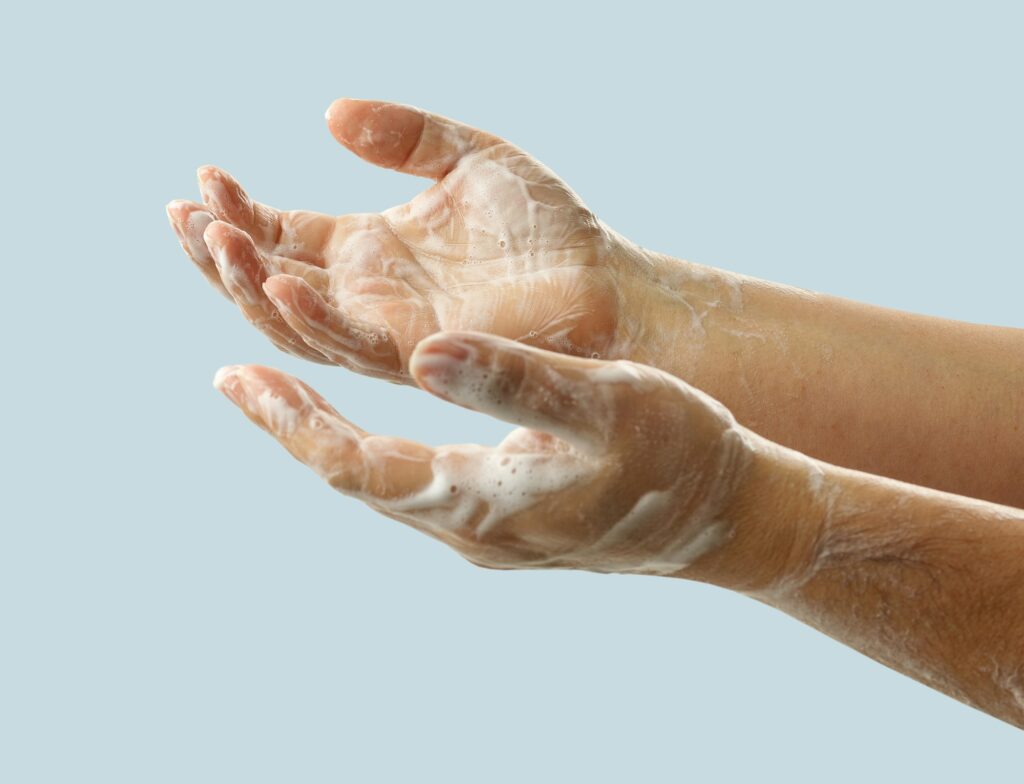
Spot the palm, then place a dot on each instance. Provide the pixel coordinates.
(497, 244)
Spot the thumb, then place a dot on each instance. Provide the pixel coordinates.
(527, 386)
(397, 136)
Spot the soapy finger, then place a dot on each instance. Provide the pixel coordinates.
(483, 501)
(243, 272)
(373, 468)
(297, 234)
(406, 138)
(527, 386)
(189, 220)
(337, 335)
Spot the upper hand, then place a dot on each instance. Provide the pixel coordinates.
(497, 244)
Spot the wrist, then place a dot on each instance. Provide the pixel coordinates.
(751, 344)
(776, 517)
(674, 314)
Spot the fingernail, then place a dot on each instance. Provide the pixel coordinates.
(173, 210)
(195, 226)
(446, 347)
(212, 240)
(333, 108)
(211, 186)
(436, 364)
(227, 382)
(279, 301)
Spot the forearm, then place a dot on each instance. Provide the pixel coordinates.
(928, 583)
(929, 401)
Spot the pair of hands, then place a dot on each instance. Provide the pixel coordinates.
(498, 290)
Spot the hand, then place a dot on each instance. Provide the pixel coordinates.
(628, 469)
(497, 244)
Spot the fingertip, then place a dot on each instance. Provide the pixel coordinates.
(344, 115)
(223, 374)
(182, 215)
(380, 132)
(215, 234)
(222, 193)
(205, 172)
(259, 393)
(335, 116)
(176, 209)
(335, 110)
(177, 221)
(188, 216)
(281, 297)
(437, 361)
(462, 344)
(226, 381)
(290, 292)
(221, 235)
(210, 184)
(279, 287)
(255, 379)
(441, 344)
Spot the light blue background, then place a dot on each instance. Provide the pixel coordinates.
(182, 601)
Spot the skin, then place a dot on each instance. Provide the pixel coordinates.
(591, 474)
(499, 244)
(627, 469)
(619, 464)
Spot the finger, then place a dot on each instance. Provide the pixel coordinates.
(458, 494)
(242, 270)
(374, 468)
(189, 220)
(397, 136)
(527, 386)
(298, 234)
(331, 331)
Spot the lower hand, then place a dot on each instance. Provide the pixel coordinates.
(617, 467)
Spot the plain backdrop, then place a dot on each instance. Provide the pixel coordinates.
(180, 600)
